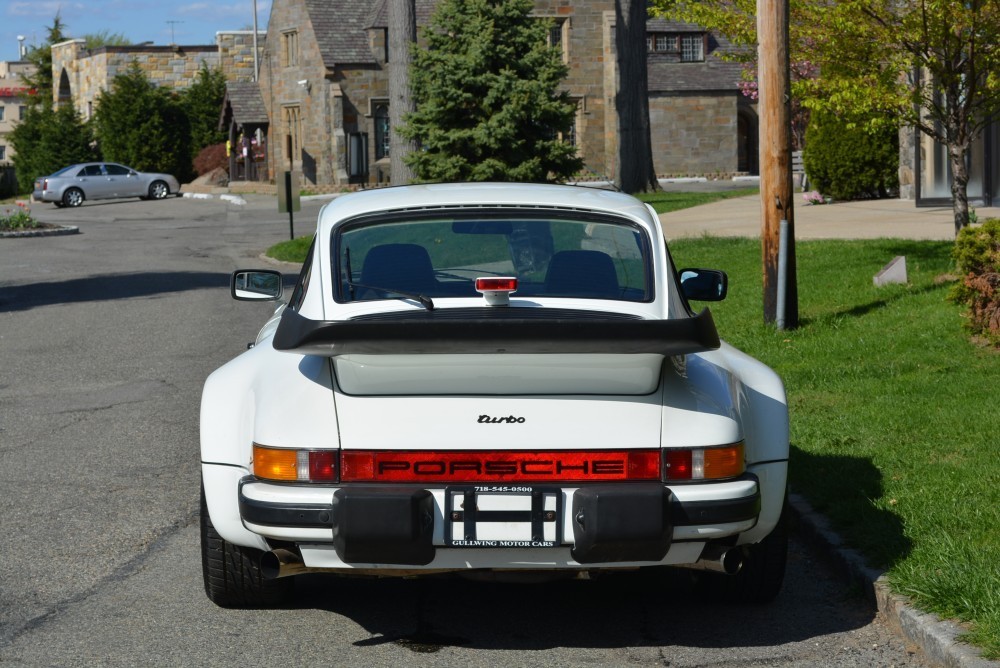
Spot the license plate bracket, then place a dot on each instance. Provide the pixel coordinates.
(503, 516)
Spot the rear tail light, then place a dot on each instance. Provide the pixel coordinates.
(289, 465)
(713, 463)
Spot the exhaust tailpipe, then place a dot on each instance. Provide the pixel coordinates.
(282, 564)
(719, 560)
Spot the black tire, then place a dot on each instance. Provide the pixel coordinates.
(760, 579)
(158, 190)
(232, 573)
(72, 197)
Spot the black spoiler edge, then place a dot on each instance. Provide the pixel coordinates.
(495, 336)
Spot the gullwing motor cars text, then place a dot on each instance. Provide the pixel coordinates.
(490, 377)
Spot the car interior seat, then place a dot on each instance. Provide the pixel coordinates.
(405, 267)
(582, 273)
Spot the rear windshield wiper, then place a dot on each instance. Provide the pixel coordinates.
(424, 300)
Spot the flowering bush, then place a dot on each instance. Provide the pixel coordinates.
(18, 218)
(813, 197)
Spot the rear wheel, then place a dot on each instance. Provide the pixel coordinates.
(158, 190)
(72, 197)
(232, 573)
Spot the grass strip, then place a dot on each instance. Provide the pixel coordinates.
(894, 413)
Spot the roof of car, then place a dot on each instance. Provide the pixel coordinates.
(481, 195)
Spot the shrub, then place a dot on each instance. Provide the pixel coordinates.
(977, 253)
(850, 163)
(211, 157)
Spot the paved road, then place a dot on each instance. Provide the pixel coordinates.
(105, 340)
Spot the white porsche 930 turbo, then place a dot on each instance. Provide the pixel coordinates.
(490, 377)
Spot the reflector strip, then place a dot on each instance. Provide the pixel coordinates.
(448, 467)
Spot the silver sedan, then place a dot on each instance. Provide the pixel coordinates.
(70, 186)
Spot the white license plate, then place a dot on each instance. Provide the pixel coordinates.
(503, 516)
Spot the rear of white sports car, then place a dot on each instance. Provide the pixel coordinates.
(491, 378)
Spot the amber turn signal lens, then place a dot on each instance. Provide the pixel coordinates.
(275, 463)
(724, 462)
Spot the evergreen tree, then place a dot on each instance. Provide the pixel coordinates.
(142, 125)
(203, 101)
(486, 88)
(49, 139)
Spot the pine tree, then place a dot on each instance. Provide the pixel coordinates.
(489, 106)
(142, 125)
(202, 101)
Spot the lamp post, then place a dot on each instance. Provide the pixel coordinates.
(20, 47)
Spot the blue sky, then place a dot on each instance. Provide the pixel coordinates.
(139, 20)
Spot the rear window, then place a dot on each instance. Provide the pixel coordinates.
(582, 257)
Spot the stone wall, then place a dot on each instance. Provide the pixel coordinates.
(694, 134)
(236, 53)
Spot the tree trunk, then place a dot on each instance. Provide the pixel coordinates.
(957, 154)
(402, 35)
(635, 171)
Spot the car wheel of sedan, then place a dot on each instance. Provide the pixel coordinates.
(158, 190)
(232, 573)
(72, 197)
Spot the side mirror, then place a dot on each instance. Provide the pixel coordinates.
(256, 285)
(708, 285)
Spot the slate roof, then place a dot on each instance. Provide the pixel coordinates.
(243, 100)
(340, 31)
(666, 74)
(379, 17)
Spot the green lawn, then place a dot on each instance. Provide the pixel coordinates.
(895, 416)
(664, 201)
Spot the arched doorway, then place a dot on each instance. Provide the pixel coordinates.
(65, 94)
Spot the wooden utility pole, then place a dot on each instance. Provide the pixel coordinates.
(402, 35)
(780, 287)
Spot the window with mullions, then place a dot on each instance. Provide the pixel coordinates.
(692, 48)
(658, 42)
(381, 114)
(290, 48)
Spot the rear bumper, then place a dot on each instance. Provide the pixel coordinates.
(607, 524)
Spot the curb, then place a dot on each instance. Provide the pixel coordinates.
(58, 231)
(937, 638)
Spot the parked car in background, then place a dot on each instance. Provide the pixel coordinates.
(490, 377)
(70, 186)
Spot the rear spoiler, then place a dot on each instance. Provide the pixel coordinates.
(436, 333)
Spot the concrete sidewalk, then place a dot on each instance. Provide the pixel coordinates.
(872, 219)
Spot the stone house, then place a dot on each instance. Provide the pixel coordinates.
(80, 74)
(324, 84)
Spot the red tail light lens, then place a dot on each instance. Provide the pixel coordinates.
(714, 463)
(496, 283)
